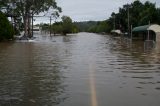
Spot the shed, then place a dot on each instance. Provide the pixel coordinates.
(155, 28)
(150, 30)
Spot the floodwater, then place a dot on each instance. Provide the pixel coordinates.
(84, 69)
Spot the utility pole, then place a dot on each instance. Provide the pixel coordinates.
(50, 25)
(148, 30)
(128, 22)
(114, 21)
(28, 24)
(131, 31)
(32, 23)
(32, 16)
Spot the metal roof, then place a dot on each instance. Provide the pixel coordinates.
(154, 27)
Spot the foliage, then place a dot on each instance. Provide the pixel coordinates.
(45, 27)
(139, 14)
(6, 30)
(57, 28)
(94, 26)
(74, 28)
(24, 9)
(37, 6)
(85, 26)
(2, 3)
(100, 27)
(65, 26)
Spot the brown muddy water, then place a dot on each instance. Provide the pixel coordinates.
(79, 70)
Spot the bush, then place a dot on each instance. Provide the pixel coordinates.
(6, 29)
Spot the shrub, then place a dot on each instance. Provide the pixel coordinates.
(6, 29)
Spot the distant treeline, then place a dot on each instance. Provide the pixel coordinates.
(139, 14)
(93, 26)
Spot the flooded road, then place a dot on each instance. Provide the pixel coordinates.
(79, 70)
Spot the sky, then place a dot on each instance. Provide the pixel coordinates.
(91, 10)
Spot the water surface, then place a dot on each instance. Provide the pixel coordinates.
(82, 69)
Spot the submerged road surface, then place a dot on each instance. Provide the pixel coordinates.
(82, 69)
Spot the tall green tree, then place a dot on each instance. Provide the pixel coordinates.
(57, 28)
(148, 13)
(67, 24)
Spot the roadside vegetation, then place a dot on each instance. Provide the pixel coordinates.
(63, 27)
(6, 29)
(139, 14)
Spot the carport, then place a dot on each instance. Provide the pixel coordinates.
(147, 32)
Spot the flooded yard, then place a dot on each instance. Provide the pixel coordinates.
(82, 69)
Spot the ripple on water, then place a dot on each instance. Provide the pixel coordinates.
(141, 71)
(157, 88)
(142, 77)
(144, 83)
(35, 73)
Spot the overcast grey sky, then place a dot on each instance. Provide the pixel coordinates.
(85, 10)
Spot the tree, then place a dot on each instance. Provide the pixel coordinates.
(74, 28)
(158, 14)
(1, 4)
(25, 8)
(67, 25)
(6, 29)
(85, 26)
(139, 14)
(57, 28)
(148, 13)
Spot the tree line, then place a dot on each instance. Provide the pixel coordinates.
(139, 14)
(63, 27)
(136, 14)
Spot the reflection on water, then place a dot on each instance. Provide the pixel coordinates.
(55, 71)
(30, 75)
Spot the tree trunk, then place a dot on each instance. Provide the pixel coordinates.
(29, 26)
(25, 25)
